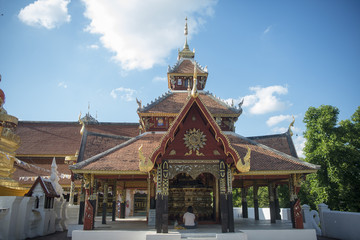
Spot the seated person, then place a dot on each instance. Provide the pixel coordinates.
(189, 219)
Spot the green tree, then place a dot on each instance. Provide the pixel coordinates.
(336, 148)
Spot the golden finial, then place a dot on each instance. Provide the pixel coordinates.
(246, 166)
(83, 125)
(194, 92)
(291, 125)
(145, 165)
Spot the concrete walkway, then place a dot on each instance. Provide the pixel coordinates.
(139, 224)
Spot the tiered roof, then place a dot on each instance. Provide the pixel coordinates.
(171, 103)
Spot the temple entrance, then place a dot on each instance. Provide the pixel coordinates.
(184, 191)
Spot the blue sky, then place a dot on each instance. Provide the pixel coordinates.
(57, 56)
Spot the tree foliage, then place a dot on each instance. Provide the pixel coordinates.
(335, 146)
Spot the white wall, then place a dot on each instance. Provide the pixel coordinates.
(20, 220)
(336, 224)
(264, 213)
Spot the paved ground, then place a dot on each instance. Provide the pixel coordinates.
(140, 224)
(55, 236)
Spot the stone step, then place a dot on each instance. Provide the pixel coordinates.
(198, 236)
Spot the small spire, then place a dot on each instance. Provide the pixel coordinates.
(194, 92)
(186, 46)
(186, 53)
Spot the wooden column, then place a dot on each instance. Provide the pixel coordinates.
(295, 207)
(217, 201)
(72, 189)
(123, 202)
(148, 197)
(93, 195)
(159, 199)
(244, 202)
(277, 204)
(230, 200)
(256, 201)
(162, 194)
(272, 203)
(89, 211)
(105, 201)
(114, 201)
(82, 203)
(223, 197)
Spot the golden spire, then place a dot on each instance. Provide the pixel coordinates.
(194, 92)
(186, 46)
(186, 53)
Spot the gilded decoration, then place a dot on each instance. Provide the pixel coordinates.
(165, 178)
(222, 170)
(194, 140)
(159, 179)
(194, 169)
(229, 179)
(244, 167)
(145, 165)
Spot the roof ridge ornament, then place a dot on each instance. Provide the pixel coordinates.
(194, 92)
(291, 125)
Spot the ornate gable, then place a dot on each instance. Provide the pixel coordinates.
(194, 134)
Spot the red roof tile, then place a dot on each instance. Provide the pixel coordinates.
(124, 157)
(96, 144)
(174, 102)
(264, 158)
(63, 138)
(47, 187)
(186, 66)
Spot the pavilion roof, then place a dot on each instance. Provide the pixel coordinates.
(47, 187)
(186, 66)
(124, 157)
(264, 158)
(62, 138)
(173, 102)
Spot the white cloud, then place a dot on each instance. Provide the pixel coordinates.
(125, 94)
(277, 119)
(62, 84)
(142, 33)
(159, 79)
(45, 13)
(93, 46)
(263, 100)
(279, 129)
(267, 30)
(299, 142)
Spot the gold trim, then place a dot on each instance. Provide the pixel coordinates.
(187, 74)
(276, 172)
(160, 114)
(42, 155)
(107, 172)
(178, 161)
(157, 114)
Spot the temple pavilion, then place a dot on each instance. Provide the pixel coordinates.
(186, 154)
(183, 152)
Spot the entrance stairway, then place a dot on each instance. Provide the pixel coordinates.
(198, 236)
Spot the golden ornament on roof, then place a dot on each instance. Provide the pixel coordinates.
(194, 140)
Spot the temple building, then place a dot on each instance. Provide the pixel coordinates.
(183, 152)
